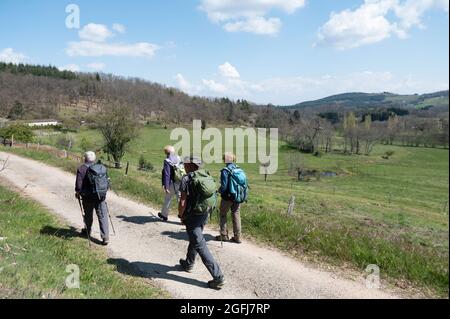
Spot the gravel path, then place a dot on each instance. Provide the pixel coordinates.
(145, 246)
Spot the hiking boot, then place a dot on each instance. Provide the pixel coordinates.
(236, 239)
(222, 238)
(216, 283)
(105, 242)
(186, 267)
(162, 217)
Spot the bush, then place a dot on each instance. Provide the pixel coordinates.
(86, 145)
(21, 133)
(145, 165)
(65, 142)
(388, 154)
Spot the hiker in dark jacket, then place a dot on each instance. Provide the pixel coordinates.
(194, 227)
(90, 201)
(170, 187)
(227, 203)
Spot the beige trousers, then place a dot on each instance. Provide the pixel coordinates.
(225, 206)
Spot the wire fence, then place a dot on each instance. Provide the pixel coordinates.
(77, 157)
(128, 166)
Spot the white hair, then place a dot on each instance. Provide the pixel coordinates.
(89, 156)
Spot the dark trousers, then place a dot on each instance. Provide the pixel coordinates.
(197, 245)
(89, 205)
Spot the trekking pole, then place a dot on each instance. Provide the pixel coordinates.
(220, 233)
(110, 219)
(85, 226)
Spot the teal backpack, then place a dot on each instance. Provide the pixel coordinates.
(237, 184)
(205, 189)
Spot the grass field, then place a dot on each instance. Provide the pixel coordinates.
(393, 213)
(35, 250)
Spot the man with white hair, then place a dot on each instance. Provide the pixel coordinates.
(92, 199)
(169, 181)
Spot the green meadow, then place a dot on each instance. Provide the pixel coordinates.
(36, 249)
(389, 212)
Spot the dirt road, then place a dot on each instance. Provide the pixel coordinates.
(146, 247)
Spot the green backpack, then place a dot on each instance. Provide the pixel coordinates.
(205, 189)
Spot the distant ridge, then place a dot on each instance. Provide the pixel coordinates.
(364, 100)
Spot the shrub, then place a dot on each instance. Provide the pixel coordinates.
(388, 154)
(21, 133)
(145, 165)
(65, 142)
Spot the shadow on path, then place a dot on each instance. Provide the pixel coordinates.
(182, 235)
(141, 220)
(65, 233)
(153, 270)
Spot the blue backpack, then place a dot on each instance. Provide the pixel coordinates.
(237, 186)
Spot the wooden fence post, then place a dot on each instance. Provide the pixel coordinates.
(126, 169)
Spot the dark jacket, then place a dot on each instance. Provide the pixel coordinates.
(224, 179)
(167, 176)
(82, 184)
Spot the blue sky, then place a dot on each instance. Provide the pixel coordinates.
(267, 51)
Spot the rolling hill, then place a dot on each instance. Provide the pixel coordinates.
(385, 99)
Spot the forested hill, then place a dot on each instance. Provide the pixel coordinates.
(34, 91)
(38, 70)
(385, 99)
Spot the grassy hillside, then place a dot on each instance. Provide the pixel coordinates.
(35, 250)
(393, 213)
(364, 100)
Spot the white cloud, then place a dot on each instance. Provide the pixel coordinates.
(95, 32)
(229, 71)
(374, 21)
(185, 86)
(70, 67)
(257, 25)
(96, 66)
(214, 86)
(8, 55)
(291, 90)
(249, 16)
(93, 43)
(89, 48)
(119, 28)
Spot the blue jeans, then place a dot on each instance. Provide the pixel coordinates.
(197, 245)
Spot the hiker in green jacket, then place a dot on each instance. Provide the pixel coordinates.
(193, 212)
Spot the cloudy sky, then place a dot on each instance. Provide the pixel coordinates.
(267, 51)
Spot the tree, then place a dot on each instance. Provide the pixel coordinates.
(16, 112)
(118, 129)
(21, 133)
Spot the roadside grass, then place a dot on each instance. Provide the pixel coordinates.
(392, 213)
(36, 248)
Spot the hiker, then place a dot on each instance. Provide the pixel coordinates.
(172, 172)
(233, 191)
(91, 186)
(197, 201)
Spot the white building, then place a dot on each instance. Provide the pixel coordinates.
(43, 123)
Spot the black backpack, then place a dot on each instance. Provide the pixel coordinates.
(98, 178)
